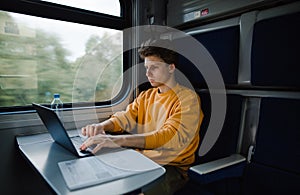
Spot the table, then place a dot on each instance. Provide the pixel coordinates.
(44, 154)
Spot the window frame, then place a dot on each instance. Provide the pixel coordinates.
(75, 15)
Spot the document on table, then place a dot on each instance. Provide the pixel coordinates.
(88, 171)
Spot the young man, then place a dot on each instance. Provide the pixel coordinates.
(166, 119)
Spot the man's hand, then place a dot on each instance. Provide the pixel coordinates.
(92, 130)
(101, 140)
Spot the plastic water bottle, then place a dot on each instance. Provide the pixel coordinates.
(57, 106)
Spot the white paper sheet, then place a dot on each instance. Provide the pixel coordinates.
(88, 171)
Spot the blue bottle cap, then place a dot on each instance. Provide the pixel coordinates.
(56, 95)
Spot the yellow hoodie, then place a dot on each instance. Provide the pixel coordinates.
(170, 121)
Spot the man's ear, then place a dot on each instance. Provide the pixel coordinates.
(172, 68)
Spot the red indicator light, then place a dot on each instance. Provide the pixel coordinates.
(204, 12)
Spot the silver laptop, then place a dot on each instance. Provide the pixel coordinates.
(59, 133)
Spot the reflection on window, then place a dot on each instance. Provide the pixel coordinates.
(110, 7)
(40, 57)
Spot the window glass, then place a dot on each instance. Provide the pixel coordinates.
(110, 7)
(40, 57)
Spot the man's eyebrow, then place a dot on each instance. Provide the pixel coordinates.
(148, 63)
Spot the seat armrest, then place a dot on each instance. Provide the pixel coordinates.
(218, 164)
(232, 166)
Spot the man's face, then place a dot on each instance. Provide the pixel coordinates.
(157, 71)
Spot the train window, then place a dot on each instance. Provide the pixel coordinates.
(40, 56)
(103, 6)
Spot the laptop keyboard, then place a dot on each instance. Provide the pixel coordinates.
(77, 141)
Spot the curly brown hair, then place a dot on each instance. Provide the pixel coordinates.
(162, 48)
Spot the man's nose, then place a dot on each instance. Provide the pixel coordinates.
(148, 72)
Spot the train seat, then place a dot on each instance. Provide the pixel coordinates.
(221, 162)
(275, 59)
(227, 141)
(274, 168)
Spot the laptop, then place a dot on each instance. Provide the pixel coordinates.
(59, 133)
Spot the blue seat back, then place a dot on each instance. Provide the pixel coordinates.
(275, 52)
(226, 143)
(275, 164)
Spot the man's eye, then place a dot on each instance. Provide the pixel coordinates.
(151, 67)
